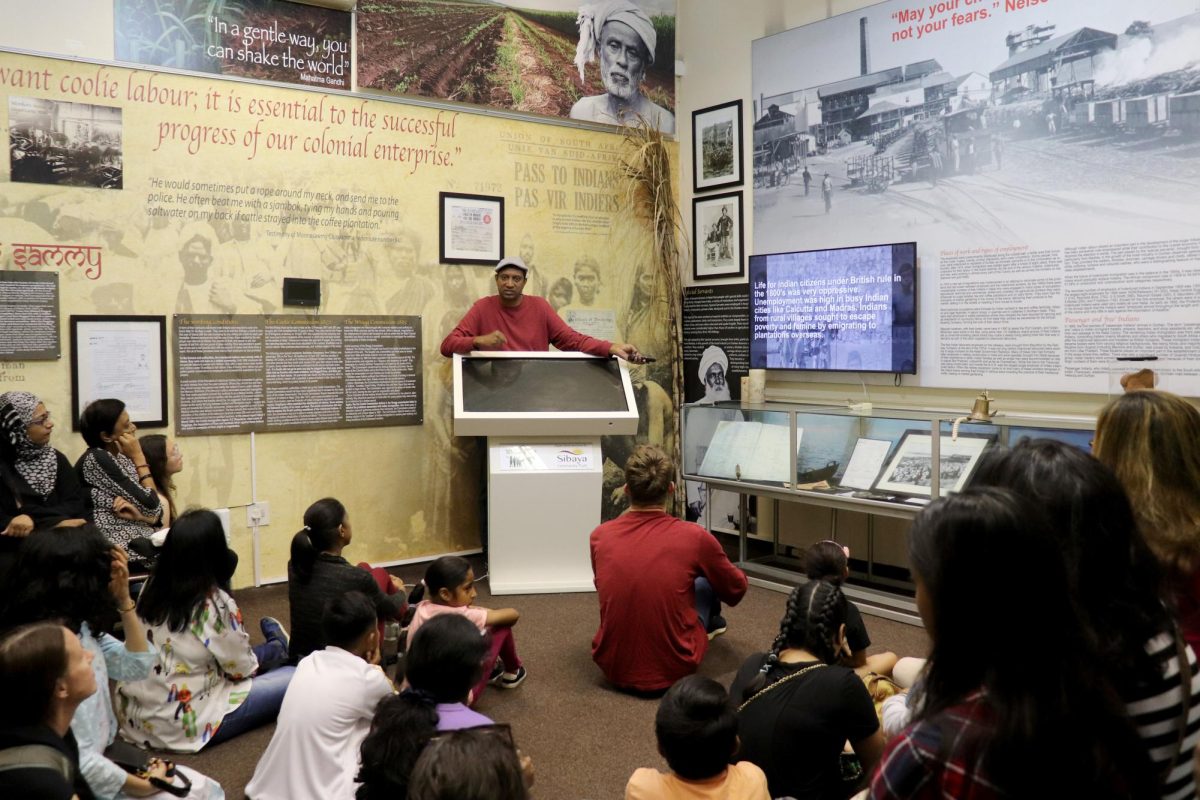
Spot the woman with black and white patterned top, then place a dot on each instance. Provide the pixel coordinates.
(125, 505)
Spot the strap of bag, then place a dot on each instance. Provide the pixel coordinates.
(39, 756)
(779, 683)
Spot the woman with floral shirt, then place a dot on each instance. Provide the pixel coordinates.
(209, 684)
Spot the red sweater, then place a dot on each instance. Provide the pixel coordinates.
(645, 564)
(529, 327)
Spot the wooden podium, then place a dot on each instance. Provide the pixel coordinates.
(543, 415)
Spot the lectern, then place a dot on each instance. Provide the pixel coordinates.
(543, 415)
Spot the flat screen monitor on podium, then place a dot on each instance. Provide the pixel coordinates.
(542, 394)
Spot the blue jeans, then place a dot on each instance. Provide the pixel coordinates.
(266, 696)
(707, 604)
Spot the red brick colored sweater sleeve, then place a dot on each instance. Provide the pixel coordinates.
(530, 327)
(646, 563)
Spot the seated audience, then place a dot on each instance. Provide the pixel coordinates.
(327, 710)
(1011, 703)
(697, 731)
(830, 561)
(799, 706)
(658, 579)
(444, 660)
(450, 582)
(38, 487)
(1151, 440)
(317, 574)
(114, 470)
(470, 764)
(165, 462)
(1117, 584)
(76, 578)
(45, 673)
(210, 684)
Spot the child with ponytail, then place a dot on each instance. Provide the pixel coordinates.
(799, 706)
(318, 574)
(450, 582)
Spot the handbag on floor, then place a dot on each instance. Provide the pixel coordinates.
(136, 761)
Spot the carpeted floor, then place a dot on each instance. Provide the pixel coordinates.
(584, 738)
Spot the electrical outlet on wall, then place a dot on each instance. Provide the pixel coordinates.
(258, 514)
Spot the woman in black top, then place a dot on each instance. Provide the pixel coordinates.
(317, 573)
(799, 706)
(38, 488)
(45, 673)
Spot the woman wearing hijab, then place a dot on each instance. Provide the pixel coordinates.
(38, 487)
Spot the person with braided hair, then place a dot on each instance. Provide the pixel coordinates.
(799, 706)
(830, 561)
(38, 486)
(658, 579)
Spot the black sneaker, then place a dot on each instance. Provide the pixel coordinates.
(497, 672)
(511, 680)
(273, 629)
(716, 627)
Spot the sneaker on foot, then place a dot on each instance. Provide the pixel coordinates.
(716, 627)
(497, 672)
(511, 680)
(273, 629)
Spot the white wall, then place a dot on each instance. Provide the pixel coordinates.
(79, 28)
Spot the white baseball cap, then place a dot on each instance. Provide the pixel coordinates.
(512, 261)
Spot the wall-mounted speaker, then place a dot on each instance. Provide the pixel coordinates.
(304, 292)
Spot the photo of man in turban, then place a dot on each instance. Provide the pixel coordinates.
(624, 36)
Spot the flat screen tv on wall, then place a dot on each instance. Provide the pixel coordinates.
(850, 309)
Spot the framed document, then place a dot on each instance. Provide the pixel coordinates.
(472, 228)
(124, 358)
(910, 470)
(717, 237)
(865, 463)
(717, 146)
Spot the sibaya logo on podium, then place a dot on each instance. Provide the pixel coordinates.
(573, 458)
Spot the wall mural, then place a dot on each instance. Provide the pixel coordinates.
(1045, 156)
(588, 61)
(227, 187)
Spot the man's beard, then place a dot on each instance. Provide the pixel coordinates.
(621, 89)
(715, 395)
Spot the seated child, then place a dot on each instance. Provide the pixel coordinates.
(327, 710)
(830, 561)
(450, 582)
(470, 764)
(443, 662)
(697, 734)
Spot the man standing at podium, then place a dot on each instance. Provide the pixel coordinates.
(508, 320)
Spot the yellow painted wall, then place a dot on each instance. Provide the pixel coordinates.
(411, 491)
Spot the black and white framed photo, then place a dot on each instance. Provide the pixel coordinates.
(717, 146)
(910, 469)
(472, 228)
(121, 357)
(717, 237)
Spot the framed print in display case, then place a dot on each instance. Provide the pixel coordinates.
(910, 469)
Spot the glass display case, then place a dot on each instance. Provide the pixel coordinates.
(878, 462)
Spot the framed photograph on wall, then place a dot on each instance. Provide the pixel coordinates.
(472, 228)
(717, 237)
(717, 146)
(910, 469)
(122, 357)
